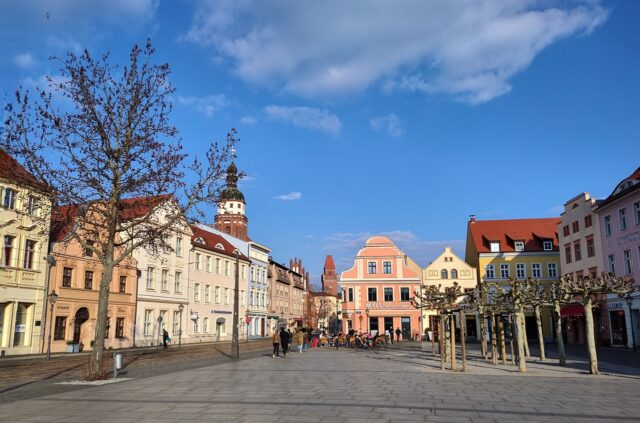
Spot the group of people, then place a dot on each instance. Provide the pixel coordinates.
(282, 340)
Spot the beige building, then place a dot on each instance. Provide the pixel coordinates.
(211, 286)
(446, 269)
(24, 233)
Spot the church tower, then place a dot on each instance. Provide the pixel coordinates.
(329, 277)
(231, 217)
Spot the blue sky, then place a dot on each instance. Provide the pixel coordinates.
(358, 118)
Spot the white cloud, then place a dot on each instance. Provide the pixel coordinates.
(248, 120)
(466, 49)
(208, 105)
(305, 117)
(390, 123)
(24, 60)
(292, 196)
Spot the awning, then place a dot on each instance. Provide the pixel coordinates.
(572, 310)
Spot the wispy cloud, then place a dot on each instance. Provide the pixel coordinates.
(390, 123)
(207, 105)
(292, 196)
(24, 60)
(248, 120)
(305, 117)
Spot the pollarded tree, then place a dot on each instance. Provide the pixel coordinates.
(108, 141)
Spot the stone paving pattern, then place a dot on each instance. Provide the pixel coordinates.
(394, 385)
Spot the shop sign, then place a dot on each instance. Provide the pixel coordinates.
(385, 306)
(221, 312)
(614, 306)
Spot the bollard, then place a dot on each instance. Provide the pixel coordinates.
(117, 364)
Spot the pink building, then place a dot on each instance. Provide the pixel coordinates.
(378, 288)
(619, 216)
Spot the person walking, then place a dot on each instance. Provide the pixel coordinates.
(275, 340)
(284, 341)
(300, 340)
(398, 332)
(290, 339)
(165, 338)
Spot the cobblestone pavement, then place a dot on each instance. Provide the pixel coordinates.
(402, 385)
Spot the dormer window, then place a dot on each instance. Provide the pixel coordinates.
(495, 246)
(220, 246)
(199, 240)
(230, 205)
(519, 245)
(547, 245)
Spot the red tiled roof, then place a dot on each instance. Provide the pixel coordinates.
(211, 240)
(532, 231)
(328, 263)
(635, 175)
(11, 170)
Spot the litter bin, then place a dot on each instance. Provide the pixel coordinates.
(117, 363)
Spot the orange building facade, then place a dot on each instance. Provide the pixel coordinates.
(378, 288)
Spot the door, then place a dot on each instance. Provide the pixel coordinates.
(388, 324)
(373, 325)
(618, 328)
(406, 328)
(82, 315)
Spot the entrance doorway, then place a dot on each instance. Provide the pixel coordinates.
(388, 325)
(373, 325)
(220, 321)
(406, 328)
(618, 328)
(82, 315)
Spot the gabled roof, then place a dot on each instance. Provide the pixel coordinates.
(211, 242)
(532, 231)
(12, 171)
(629, 184)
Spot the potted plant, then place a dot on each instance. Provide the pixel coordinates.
(70, 346)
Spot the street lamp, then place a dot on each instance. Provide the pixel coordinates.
(53, 297)
(180, 309)
(629, 299)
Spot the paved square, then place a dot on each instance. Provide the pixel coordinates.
(346, 386)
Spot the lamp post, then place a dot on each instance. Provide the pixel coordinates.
(235, 346)
(53, 297)
(360, 318)
(180, 310)
(629, 299)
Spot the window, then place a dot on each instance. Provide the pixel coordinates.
(372, 267)
(150, 283)
(177, 283)
(495, 247)
(577, 250)
(565, 230)
(636, 212)
(205, 325)
(489, 271)
(454, 274)
(8, 250)
(197, 261)
(404, 294)
(9, 198)
(567, 253)
(444, 274)
(226, 267)
(209, 264)
(196, 292)
(552, 269)
(217, 265)
(88, 279)
(165, 280)
(162, 318)
(350, 296)
(176, 322)
(67, 272)
(179, 247)
(196, 325)
(519, 245)
(148, 322)
(612, 263)
(243, 271)
(576, 226)
(123, 284)
(607, 225)
(588, 221)
(242, 298)
(32, 205)
(60, 328)
(388, 294)
(120, 327)
(386, 267)
(622, 214)
(372, 294)
(521, 271)
(216, 295)
(547, 245)
(536, 271)
(88, 252)
(207, 294)
(165, 245)
(591, 248)
(504, 271)
(226, 295)
(627, 262)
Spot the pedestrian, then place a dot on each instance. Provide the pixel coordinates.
(290, 339)
(275, 339)
(284, 341)
(398, 332)
(388, 334)
(165, 338)
(300, 340)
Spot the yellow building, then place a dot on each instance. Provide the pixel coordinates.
(24, 233)
(515, 248)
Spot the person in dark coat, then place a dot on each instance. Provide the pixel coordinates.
(398, 333)
(165, 338)
(284, 342)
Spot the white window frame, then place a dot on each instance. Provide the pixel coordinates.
(196, 292)
(208, 264)
(151, 283)
(518, 245)
(226, 296)
(636, 212)
(622, 216)
(628, 267)
(494, 246)
(176, 322)
(607, 225)
(197, 261)
(372, 265)
(207, 294)
(165, 280)
(386, 264)
(177, 283)
(611, 261)
(148, 322)
(489, 269)
(554, 267)
(536, 270)
(216, 295)
(179, 246)
(503, 267)
(521, 270)
(547, 245)
(218, 267)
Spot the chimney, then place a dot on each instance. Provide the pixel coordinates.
(472, 218)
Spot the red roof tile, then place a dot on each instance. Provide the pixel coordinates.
(532, 231)
(211, 240)
(329, 264)
(11, 170)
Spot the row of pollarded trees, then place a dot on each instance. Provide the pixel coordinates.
(504, 305)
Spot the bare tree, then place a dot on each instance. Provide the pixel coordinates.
(109, 141)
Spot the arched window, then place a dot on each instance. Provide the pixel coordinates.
(454, 274)
(444, 274)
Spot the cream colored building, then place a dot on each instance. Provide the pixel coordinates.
(24, 233)
(446, 269)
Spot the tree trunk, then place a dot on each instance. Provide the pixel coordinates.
(433, 334)
(522, 365)
(591, 338)
(452, 325)
(447, 337)
(512, 332)
(503, 349)
(525, 340)
(441, 340)
(463, 340)
(97, 353)
(540, 335)
(559, 339)
(494, 348)
(483, 331)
